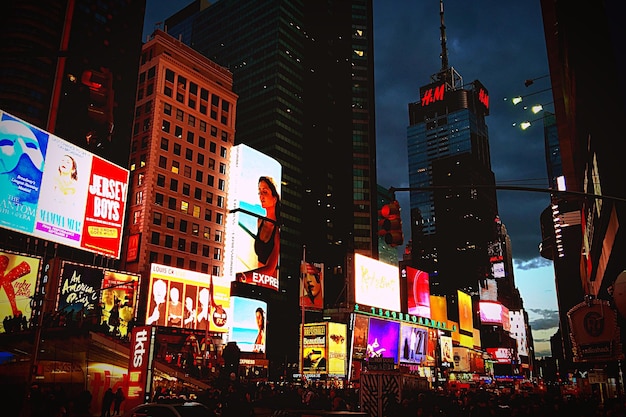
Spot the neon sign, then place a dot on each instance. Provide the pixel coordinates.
(433, 94)
(483, 97)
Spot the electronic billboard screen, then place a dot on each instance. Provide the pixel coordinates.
(248, 324)
(252, 249)
(376, 283)
(418, 292)
(18, 275)
(383, 338)
(187, 299)
(57, 191)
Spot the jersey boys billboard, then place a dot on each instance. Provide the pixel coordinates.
(54, 190)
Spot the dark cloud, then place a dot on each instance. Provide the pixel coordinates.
(548, 319)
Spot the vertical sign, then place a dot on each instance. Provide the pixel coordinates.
(140, 365)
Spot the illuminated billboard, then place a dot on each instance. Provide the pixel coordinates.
(466, 314)
(18, 284)
(418, 292)
(248, 324)
(376, 283)
(413, 343)
(337, 348)
(54, 190)
(447, 353)
(311, 286)
(118, 300)
(252, 248)
(79, 288)
(359, 336)
(314, 354)
(492, 312)
(383, 338)
(187, 299)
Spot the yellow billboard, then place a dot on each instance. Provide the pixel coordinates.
(337, 348)
(18, 284)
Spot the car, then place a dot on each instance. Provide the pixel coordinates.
(182, 409)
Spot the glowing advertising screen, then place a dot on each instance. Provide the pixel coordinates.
(447, 354)
(438, 308)
(248, 324)
(119, 298)
(359, 337)
(337, 348)
(311, 286)
(252, 248)
(140, 364)
(497, 270)
(383, 338)
(314, 354)
(54, 190)
(18, 283)
(413, 343)
(187, 299)
(466, 316)
(501, 355)
(418, 292)
(79, 288)
(492, 312)
(376, 283)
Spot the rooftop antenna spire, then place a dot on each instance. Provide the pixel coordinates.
(444, 48)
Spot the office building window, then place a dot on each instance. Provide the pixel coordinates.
(167, 259)
(169, 241)
(154, 239)
(169, 222)
(157, 218)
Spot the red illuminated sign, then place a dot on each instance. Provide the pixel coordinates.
(483, 97)
(140, 365)
(433, 94)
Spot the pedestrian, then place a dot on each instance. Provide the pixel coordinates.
(107, 401)
(119, 397)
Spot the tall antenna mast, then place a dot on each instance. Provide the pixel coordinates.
(444, 47)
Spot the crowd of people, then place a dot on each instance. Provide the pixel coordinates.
(234, 398)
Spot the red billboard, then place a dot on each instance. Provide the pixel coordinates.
(418, 292)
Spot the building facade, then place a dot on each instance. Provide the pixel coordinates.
(183, 131)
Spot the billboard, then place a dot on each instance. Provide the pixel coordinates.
(311, 286)
(418, 292)
(314, 353)
(337, 348)
(18, 284)
(252, 248)
(187, 299)
(140, 365)
(376, 283)
(359, 336)
(79, 287)
(54, 190)
(492, 312)
(447, 353)
(413, 343)
(466, 314)
(383, 338)
(248, 324)
(119, 300)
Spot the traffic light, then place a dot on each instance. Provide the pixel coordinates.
(390, 226)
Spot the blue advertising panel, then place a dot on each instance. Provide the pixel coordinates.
(382, 339)
(249, 317)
